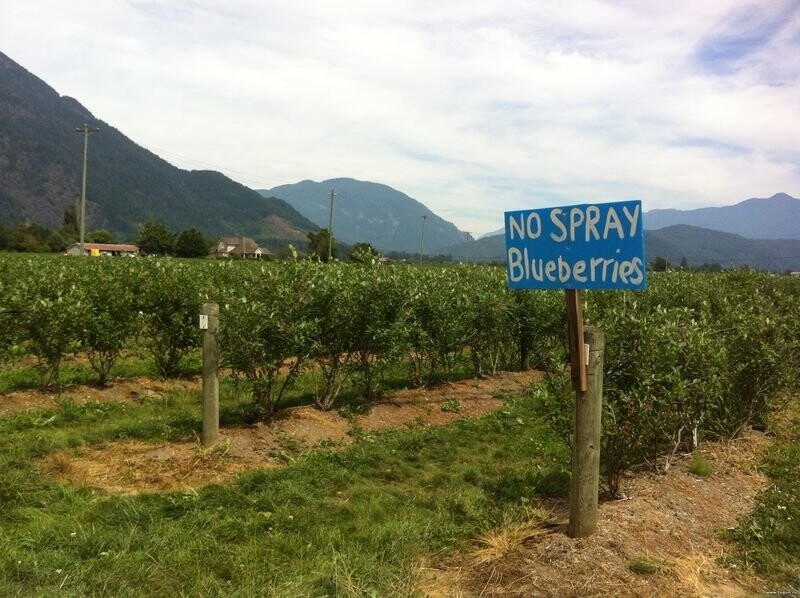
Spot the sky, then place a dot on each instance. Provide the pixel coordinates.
(471, 107)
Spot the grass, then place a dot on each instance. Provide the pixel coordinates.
(699, 465)
(642, 566)
(769, 538)
(333, 522)
(452, 406)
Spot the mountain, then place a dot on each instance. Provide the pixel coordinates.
(698, 245)
(492, 233)
(776, 217)
(40, 174)
(370, 212)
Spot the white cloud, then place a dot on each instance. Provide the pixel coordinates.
(471, 107)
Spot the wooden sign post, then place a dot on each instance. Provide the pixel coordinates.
(579, 247)
(577, 354)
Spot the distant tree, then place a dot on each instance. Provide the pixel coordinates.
(100, 236)
(22, 239)
(192, 243)
(318, 244)
(660, 264)
(3, 236)
(363, 253)
(71, 227)
(684, 263)
(288, 252)
(56, 242)
(711, 267)
(155, 238)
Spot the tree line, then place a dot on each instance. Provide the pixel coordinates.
(154, 237)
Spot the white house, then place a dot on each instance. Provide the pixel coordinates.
(238, 247)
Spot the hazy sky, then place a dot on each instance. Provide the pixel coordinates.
(471, 107)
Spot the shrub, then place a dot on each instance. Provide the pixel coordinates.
(169, 304)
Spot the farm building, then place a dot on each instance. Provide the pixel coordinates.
(103, 249)
(238, 247)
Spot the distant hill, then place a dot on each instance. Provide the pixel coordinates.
(370, 212)
(40, 174)
(697, 245)
(492, 233)
(776, 217)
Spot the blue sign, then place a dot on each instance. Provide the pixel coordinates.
(589, 246)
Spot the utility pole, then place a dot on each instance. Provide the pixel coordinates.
(466, 242)
(85, 129)
(422, 238)
(330, 227)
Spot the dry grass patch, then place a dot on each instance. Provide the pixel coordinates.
(132, 467)
(670, 522)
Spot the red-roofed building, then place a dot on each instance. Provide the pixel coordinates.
(103, 249)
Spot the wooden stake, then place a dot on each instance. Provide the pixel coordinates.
(577, 355)
(585, 481)
(209, 317)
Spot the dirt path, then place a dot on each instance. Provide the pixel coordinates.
(661, 541)
(134, 467)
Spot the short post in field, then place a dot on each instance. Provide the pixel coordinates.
(209, 324)
(585, 482)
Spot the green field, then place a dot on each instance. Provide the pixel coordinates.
(711, 352)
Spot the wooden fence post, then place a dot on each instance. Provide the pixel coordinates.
(585, 482)
(209, 324)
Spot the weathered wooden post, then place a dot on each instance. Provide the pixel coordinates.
(209, 324)
(586, 441)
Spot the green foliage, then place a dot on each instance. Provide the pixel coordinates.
(100, 236)
(693, 354)
(706, 353)
(154, 238)
(769, 538)
(451, 406)
(46, 309)
(319, 245)
(71, 223)
(27, 238)
(110, 318)
(330, 311)
(168, 296)
(192, 243)
(56, 242)
(538, 328)
(438, 330)
(642, 566)
(265, 335)
(699, 465)
(363, 253)
(660, 264)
